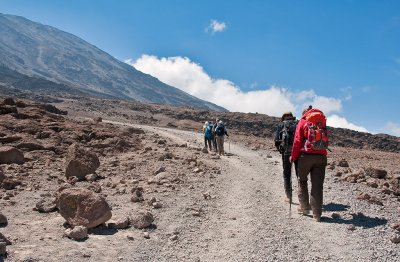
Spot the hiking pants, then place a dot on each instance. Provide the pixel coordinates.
(209, 143)
(220, 144)
(215, 143)
(287, 173)
(314, 165)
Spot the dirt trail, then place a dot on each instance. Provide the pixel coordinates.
(247, 219)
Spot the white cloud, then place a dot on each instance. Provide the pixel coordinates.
(190, 77)
(392, 128)
(216, 26)
(337, 121)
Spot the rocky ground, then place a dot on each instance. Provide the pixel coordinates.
(169, 200)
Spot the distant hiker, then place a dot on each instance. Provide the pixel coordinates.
(310, 150)
(208, 135)
(220, 133)
(284, 136)
(215, 136)
(203, 130)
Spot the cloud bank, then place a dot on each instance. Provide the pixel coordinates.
(392, 128)
(190, 77)
(215, 26)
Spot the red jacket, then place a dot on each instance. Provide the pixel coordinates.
(298, 142)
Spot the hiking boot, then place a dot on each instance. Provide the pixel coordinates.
(303, 211)
(317, 218)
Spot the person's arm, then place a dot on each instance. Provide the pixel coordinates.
(298, 140)
(277, 139)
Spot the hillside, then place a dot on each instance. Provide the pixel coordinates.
(160, 197)
(37, 51)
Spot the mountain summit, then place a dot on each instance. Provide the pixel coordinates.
(43, 52)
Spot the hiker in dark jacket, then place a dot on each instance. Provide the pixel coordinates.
(310, 161)
(220, 133)
(215, 137)
(284, 136)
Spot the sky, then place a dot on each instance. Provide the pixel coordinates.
(262, 56)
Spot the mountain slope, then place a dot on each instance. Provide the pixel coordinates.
(42, 51)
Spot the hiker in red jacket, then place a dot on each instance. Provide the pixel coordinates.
(309, 150)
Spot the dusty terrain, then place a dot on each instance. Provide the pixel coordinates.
(210, 208)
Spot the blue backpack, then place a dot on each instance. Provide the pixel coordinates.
(208, 133)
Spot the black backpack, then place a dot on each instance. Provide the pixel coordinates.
(220, 130)
(286, 135)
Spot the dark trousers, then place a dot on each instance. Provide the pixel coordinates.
(315, 166)
(208, 142)
(287, 173)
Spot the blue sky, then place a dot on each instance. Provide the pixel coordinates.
(264, 56)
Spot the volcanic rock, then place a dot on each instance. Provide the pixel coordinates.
(9, 155)
(4, 239)
(46, 205)
(142, 219)
(121, 223)
(80, 163)
(10, 184)
(3, 248)
(3, 220)
(77, 233)
(343, 163)
(82, 207)
(375, 172)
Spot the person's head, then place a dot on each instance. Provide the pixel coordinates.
(206, 123)
(286, 115)
(220, 122)
(306, 109)
(217, 120)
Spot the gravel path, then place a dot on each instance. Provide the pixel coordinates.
(247, 219)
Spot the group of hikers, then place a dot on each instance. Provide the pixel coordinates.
(214, 134)
(304, 143)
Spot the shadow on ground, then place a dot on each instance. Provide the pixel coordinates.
(358, 220)
(331, 207)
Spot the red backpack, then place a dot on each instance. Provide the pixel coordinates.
(315, 131)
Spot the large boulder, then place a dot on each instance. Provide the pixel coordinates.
(80, 162)
(83, 207)
(9, 155)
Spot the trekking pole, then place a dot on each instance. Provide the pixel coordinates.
(290, 194)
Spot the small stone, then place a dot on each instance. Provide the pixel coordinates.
(146, 235)
(142, 219)
(343, 163)
(152, 200)
(121, 223)
(191, 187)
(174, 238)
(91, 177)
(351, 228)
(129, 237)
(395, 239)
(77, 233)
(196, 213)
(157, 205)
(335, 215)
(206, 195)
